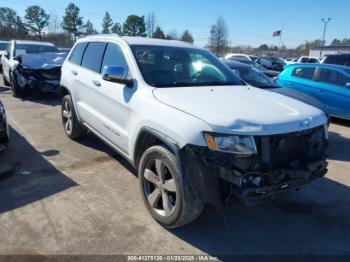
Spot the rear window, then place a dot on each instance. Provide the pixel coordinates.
(304, 72)
(93, 55)
(77, 53)
(333, 77)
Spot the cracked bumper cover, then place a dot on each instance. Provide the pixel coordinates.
(283, 163)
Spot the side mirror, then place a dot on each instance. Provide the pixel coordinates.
(18, 58)
(116, 74)
(7, 55)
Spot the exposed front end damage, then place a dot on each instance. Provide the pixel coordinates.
(38, 80)
(38, 72)
(284, 162)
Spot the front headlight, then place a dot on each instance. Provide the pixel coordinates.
(235, 144)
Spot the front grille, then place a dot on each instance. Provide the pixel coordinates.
(286, 150)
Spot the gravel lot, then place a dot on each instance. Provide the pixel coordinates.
(83, 198)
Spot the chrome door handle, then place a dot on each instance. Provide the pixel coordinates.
(74, 72)
(97, 83)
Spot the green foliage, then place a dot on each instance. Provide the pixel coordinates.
(134, 26)
(7, 17)
(37, 19)
(106, 24)
(187, 37)
(117, 29)
(72, 22)
(158, 33)
(89, 28)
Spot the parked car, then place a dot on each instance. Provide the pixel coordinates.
(330, 84)
(241, 57)
(258, 79)
(269, 73)
(289, 61)
(32, 66)
(2, 51)
(4, 132)
(308, 60)
(271, 63)
(341, 59)
(193, 130)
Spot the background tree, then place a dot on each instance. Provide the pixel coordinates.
(134, 26)
(54, 22)
(151, 21)
(117, 29)
(89, 28)
(218, 42)
(263, 47)
(158, 33)
(72, 22)
(7, 17)
(187, 37)
(336, 42)
(37, 19)
(172, 35)
(107, 23)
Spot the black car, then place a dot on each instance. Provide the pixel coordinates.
(341, 59)
(271, 63)
(269, 73)
(256, 78)
(4, 134)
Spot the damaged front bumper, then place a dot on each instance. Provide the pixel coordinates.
(284, 162)
(39, 80)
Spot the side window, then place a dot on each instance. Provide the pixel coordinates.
(8, 49)
(77, 53)
(93, 56)
(333, 77)
(114, 57)
(304, 72)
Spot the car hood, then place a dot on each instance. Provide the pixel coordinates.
(242, 109)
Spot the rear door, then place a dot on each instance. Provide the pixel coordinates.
(332, 91)
(301, 78)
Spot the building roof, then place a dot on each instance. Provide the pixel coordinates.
(332, 47)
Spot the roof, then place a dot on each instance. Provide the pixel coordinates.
(28, 42)
(134, 40)
(333, 47)
(324, 66)
(235, 63)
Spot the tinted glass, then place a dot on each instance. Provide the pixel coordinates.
(304, 72)
(254, 77)
(93, 55)
(3, 46)
(333, 77)
(114, 57)
(163, 66)
(77, 53)
(338, 60)
(22, 49)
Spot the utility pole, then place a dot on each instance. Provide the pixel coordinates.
(324, 34)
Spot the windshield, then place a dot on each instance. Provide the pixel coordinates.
(3, 46)
(22, 49)
(254, 77)
(163, 66)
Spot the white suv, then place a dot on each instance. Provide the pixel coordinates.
(195, 133)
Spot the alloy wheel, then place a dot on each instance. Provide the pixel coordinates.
(67, 117)
(159, 187)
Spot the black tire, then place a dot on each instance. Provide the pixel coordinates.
(182, 207)
(6, 83)
(72, 127)
(17, 91)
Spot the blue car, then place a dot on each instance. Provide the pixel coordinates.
(329, 84)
